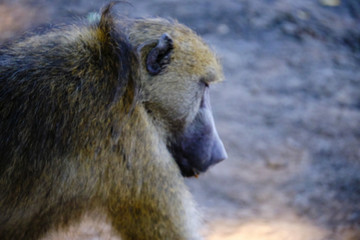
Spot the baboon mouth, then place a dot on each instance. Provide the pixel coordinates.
(193, 172)
(188, 168)
(196, 173)
(190, 163)
(187, 171)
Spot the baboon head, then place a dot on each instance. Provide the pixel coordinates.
(177, 69)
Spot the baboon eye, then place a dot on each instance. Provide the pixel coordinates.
(204, 82)
(204, 90)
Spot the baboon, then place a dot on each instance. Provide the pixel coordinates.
(108, 115)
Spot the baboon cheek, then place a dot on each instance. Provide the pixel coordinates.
(199, 146)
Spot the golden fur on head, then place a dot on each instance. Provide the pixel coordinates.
(196, 56)
(192, 62)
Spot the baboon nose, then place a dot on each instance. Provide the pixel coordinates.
(218, 153)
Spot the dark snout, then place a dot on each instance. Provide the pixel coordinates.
(200, 146)
(218, 152)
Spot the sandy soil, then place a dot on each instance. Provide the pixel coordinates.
(289, 112)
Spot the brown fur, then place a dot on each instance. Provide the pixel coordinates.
(77, 134)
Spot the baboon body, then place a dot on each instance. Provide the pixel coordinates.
(100, 116)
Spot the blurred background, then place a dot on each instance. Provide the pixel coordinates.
(288, 112)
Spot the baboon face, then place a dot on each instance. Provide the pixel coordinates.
(178, 69)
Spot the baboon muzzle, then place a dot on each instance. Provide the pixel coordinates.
(200, 146)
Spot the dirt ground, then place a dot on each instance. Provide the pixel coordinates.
(288, 112)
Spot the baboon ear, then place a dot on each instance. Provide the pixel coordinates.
(159, 56)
